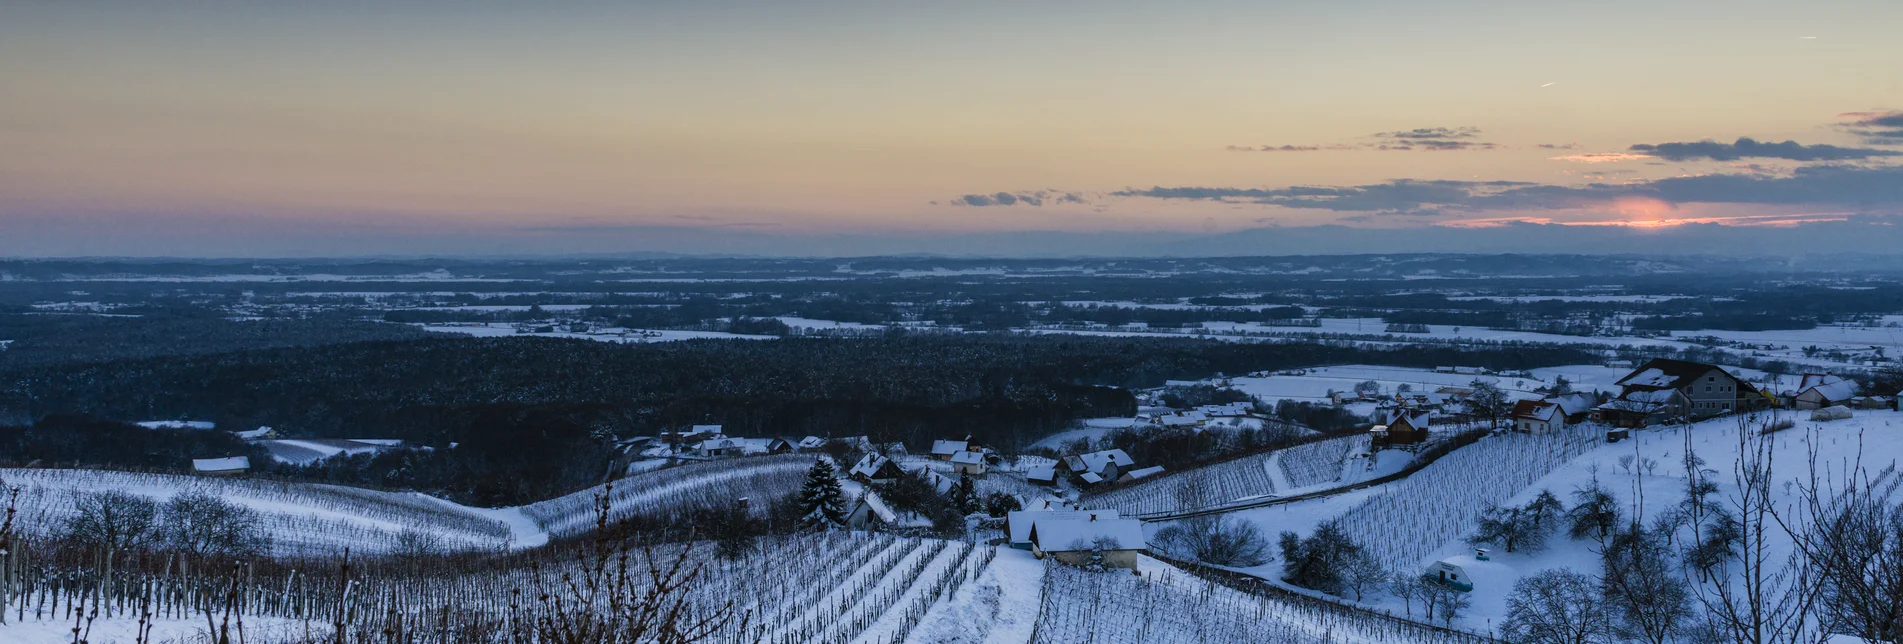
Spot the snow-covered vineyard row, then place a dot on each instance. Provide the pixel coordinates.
(1408, 521)
(1191, 489)
(1318, 463)
(301, 518)
(857, 588)
(1168, 605)
(674, 490)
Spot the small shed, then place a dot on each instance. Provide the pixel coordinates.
(1139, 474)
(1449, 574)
(227, 466)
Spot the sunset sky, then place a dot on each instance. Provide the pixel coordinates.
(208, 128)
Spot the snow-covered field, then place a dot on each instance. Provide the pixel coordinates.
(617, 335)
(1317, 382)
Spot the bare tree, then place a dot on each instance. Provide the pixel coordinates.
(203, 525)
(1642, 587)
(1855, 540)
(1760, 597)
(1556, 606)
(111, 521)
(1216, 539)
(1361, 572)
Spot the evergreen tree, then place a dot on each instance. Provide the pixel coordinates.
(964, 496)
(822, 502)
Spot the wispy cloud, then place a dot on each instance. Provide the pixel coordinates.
(1031, 198)
(1432, 133)
(1876, 128)
(1602, 157)
(1558, 146)
(1746, 147)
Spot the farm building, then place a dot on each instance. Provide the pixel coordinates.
(1576, 406)
(875, 469)
(1404, 427)
(945, 450)
(871, 513)
(718, 447)
(1042, 475)
(1827, 414)
(692, 435)
(811, 443)
(1105, 465)
(1078, 540)
(1185, 419)
(762, 446)
(1682, 389)
(1230, 410)
(1017, 523)
(1819, 390)
(262, 432)
(969, 463)
(1448, 573)
(222, 466)
(1537, 416)
(1138, 474)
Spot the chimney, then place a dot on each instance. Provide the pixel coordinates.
(1093, 516)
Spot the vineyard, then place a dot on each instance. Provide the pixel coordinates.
(1168, 605)
(846, 587)
(1190, 489)
(301, 519)
(1406, 523)
(675, 490)
(1321, 462)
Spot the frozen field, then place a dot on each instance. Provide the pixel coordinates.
(502, 330)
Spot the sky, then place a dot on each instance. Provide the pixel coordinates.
(843, 127)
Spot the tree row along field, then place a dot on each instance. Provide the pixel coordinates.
(300, 519)
(1408, 521)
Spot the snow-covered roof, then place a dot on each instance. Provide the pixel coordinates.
(1650, 396)
(1094, 462)
(969, 458)
(1070, 534)
(1091, 477)
(1041, 473)
(755, 445)
(947, 448)
(1415, 418)
(1179, 420)
(1536, 410)
(717, 443)
(1576, 403)
(1831, 388)
(1230, 409)
(876, 504)
(704, 429)
(812, 442)
(1152, 470)
(260, 432)
(868, 466)
(1020, 520)
(177, 424)
(227, 464)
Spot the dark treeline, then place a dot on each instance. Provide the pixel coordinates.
(43, 339)
(533, 416)
(69, 440)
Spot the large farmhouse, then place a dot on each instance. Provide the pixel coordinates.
(1663, 389)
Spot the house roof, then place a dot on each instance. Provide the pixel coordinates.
(1071, 534)
(1041, 473)
(1152, 470)
(1020, 520)
(869, 466)
(1666, 373)
(947, 448)
(226, 464)
(1831, 388)
(878, 507)
(811, 442)
(1577, 403)
(1095, 461)
(757, 445)
(1535, 410)
(1091, 477)
(969, 458)
(704, 429)
(1414, 418)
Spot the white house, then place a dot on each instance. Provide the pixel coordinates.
(969, 463)
(1017, 523)
(944, 450)
(1538, 416)
(1448, 572)
(1076, 540)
